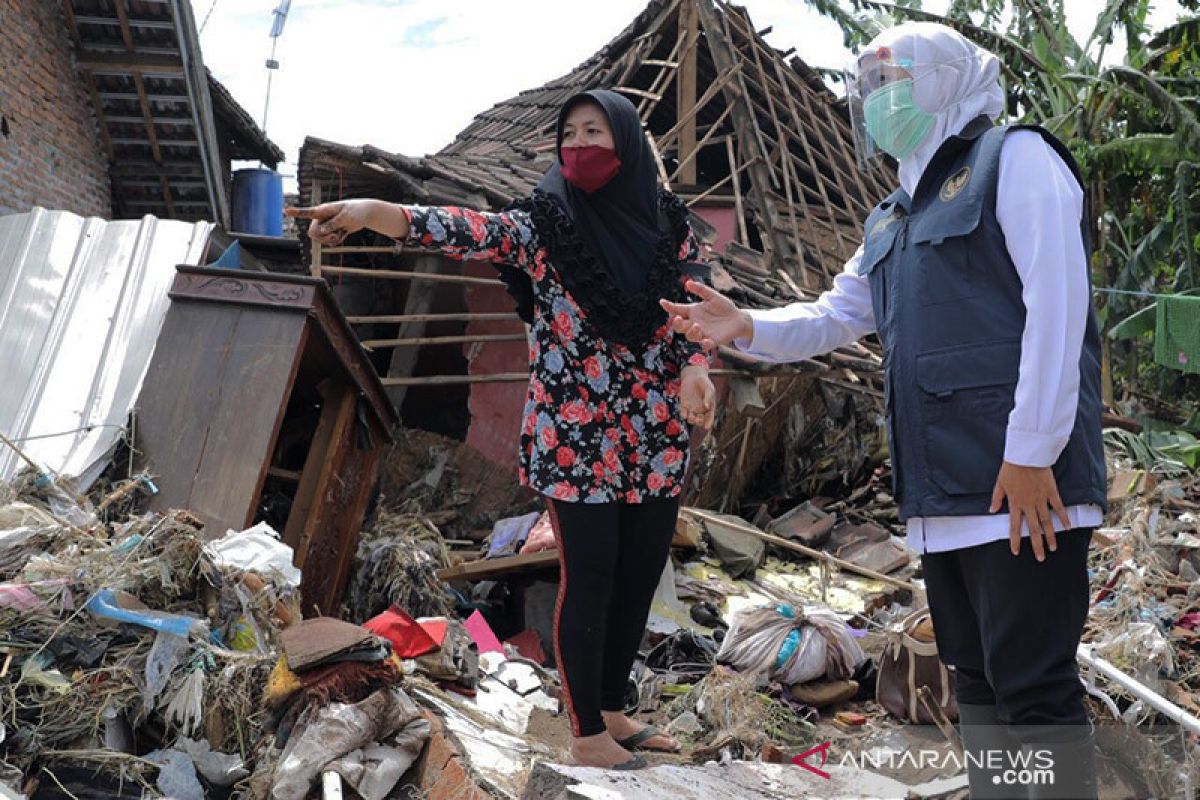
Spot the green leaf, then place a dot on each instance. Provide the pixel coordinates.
(1136, 325)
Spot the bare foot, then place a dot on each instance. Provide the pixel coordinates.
(622, 727)
(600, 750)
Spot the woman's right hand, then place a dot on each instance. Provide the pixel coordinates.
(715, 320)
(333, 222)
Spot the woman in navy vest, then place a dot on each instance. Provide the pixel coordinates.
(974, 273)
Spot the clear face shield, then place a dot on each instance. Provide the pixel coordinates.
(864, 76)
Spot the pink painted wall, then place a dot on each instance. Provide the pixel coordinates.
(721, 217)
(495, 407)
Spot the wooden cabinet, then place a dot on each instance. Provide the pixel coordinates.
(260, 404)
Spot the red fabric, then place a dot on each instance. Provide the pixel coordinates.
(529, 645)
(436, 628)
(408, 637)
(589, 167)
(558, 604)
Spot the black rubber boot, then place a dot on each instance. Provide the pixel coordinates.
(1069, 773)
(988, 752)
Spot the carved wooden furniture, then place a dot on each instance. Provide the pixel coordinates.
(259, 404)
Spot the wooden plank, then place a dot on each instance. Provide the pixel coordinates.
(743, 236)
(456, 380)
(313, 245)
(330, 533)
(258, 366)
(662, 171)
(315, 464)
(285, 474)
(690, 158)
(486, 316)
(762, 177)
(712, 91)
(123, 21)
(788, 544)
(420, 341)
(686, 96)
(396, 250)
(129, 62)
(399, 275)
(202, 407)
(418, 303)
(179, 398)
(520, 377)
(491, 567)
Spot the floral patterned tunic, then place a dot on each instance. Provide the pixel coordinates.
(602, 421)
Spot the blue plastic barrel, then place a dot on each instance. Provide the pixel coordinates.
(258, 202)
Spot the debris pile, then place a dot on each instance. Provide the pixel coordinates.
(120, 637)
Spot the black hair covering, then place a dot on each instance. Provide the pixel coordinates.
(619, 221)
(617, 248)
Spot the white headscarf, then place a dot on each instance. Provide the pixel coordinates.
(954, 79)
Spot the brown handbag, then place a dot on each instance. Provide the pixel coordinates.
(909, 663)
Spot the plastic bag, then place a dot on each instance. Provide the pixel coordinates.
(257, 549)
(165, 654)
(790, 647)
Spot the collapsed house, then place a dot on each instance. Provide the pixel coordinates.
(753, 141)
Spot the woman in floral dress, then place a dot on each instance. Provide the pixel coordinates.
(613, 393)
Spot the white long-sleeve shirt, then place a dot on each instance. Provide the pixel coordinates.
(1039, 205)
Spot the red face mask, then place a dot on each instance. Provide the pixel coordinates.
(589, 168)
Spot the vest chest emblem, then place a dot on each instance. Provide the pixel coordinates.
(882, 224)
(955, 184)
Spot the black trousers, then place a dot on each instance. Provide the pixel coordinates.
(611, 556)
(1010, 627)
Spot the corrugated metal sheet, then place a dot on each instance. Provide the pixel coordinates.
(81, 305)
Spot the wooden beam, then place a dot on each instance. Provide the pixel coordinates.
(732, 176)
(788, 544)
(399, 275)
(712, 91)
(122, 20)
(147, 118)
(658, 162)
(737, 189)
(761, 175)
(486, 316)
(685, 96)
(691, 156)
(638, 92)
(490, 567)
(394, 250)
(420, 341)
(129, 62)
(457, 380)
(418, 302)
(313, 245)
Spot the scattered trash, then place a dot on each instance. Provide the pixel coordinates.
(255, 549)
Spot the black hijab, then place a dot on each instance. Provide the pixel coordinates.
(615, 249)
(619, 221)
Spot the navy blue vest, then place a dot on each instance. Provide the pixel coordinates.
(948, 308)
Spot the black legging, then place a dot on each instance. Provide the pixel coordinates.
(610, 557)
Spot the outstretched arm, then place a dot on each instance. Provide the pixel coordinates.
(792, 333)
(457, 233)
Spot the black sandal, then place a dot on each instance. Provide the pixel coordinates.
(637, 762)
(636, 741)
